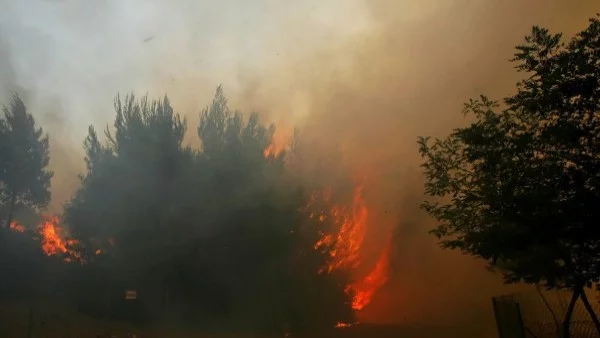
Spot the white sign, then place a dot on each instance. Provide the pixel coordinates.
(130, 294)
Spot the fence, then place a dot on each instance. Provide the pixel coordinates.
(540, 313)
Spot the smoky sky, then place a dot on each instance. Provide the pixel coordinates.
(362, 77)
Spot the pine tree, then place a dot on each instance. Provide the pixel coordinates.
(25, 155)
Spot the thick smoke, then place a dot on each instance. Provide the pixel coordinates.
(72, 57)
(410, 78)
(363, 78)
(407, 75)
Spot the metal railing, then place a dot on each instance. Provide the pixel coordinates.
(540, 313)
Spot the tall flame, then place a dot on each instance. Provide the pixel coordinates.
(365, 289)
(348, 241)
(345, 247)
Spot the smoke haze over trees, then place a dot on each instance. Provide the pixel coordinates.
(220, 237)
(362, 79)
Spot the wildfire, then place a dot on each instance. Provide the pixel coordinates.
(366, 288)
(279, 143)
(345, 246)
(54, 241)
(341, 325)
(14, 226)
(272, 151)
(347, 242)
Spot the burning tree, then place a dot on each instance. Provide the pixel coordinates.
(520, 187)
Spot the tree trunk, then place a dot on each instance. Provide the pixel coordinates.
(567, 321)
(30, 323)
(591, 311)
(11, 210)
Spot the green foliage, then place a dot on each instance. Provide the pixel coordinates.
(519, 187)
(220, 231)
(24, 158)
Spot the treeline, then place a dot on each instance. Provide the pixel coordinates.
(216, 237)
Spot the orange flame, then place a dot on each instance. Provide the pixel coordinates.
(345, 246)
(341, 325)
(272, 151)
(14, 226)
(347, 242)
(279, 143)
(54, 242)
(365, 289)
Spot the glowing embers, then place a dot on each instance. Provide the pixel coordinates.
(14, 226)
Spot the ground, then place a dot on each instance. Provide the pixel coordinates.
(53, 322)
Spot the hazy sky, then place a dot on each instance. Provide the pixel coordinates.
(84, 52)
(70, 58)
(363, 76)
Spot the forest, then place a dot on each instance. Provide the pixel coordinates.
(222, 236)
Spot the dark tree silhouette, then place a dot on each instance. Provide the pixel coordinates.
(520, 187)
(220, 232)
(259, 224)
(24, 175)
(125, 206)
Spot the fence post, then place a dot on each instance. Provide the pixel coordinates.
(509, 319)
(520, 320)
(497, 317)
(30, 323)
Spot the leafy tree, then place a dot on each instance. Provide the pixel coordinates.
(24, 175)
(519, 187)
